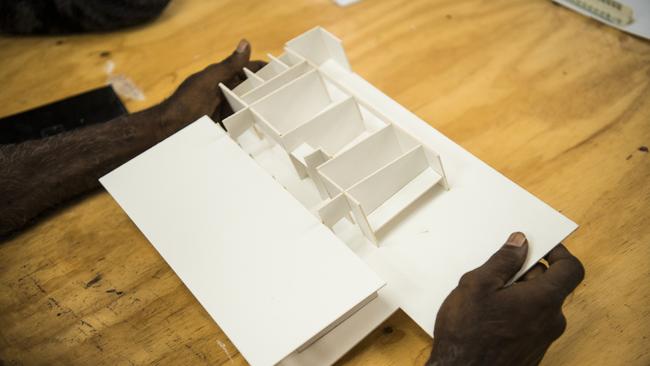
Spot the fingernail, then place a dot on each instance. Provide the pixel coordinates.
(241, 47)
(516, 239)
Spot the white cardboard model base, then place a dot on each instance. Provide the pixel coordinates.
(324, 208)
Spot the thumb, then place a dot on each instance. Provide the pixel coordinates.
(231, 65)
(506, 262)
(240, 57)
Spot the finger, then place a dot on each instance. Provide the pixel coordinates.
(505, 263)
(231, 65)
(565, 272)
(240, 57)
(538, 269)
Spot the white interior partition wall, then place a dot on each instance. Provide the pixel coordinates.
(359, 157)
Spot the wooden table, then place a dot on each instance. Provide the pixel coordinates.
(557, 102)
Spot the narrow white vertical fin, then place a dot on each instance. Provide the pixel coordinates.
(278, 81)
(335, 48)
(333, 210)
(277, 59)
(318, 46)
(252, 81)
(290, 58)
(239, 122)
(361, 219)
(435, 162)
(312, 161)
(252, 75)
(297, 157)
(273, 68)
(235, 102)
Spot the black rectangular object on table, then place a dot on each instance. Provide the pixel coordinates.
(94, 106)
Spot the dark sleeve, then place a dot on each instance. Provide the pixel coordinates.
(75, 16)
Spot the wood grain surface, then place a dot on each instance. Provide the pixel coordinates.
(557, 102)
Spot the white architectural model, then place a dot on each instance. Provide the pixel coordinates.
(322, 210)
(361, 163)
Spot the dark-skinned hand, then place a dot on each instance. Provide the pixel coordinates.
(485, 322)
(200, 95)
(39, 174)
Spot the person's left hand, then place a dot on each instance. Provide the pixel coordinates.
(200, 95)
(485, 322)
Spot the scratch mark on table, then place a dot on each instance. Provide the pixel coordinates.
(225, 350)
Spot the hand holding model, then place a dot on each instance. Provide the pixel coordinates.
(485, 322)
(40, 174)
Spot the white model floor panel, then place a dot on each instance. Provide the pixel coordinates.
(255, 258)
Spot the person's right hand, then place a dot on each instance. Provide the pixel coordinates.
(200, 95)
(485, 322)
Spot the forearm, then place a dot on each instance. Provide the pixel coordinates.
(39, 174)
